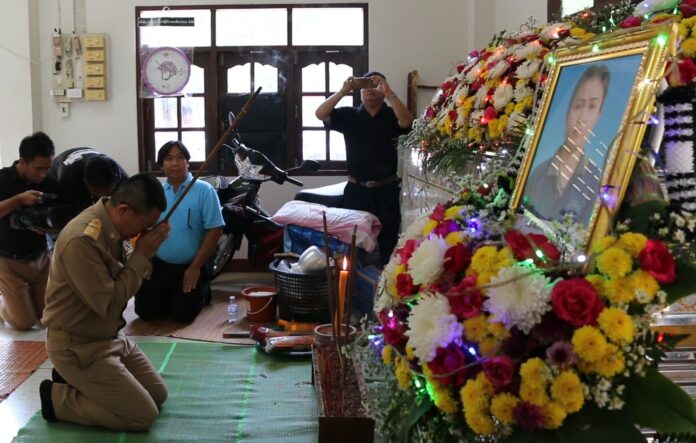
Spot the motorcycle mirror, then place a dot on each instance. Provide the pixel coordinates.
(305, 167)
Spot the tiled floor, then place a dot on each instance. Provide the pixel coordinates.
(24, 402)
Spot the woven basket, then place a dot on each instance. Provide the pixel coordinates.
(301, 297)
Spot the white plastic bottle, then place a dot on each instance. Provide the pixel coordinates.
(232, 310)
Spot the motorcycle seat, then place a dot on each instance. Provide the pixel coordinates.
(330, 195)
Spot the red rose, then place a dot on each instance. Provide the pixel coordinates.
(430, 113)
(576, 301)
(530, 38)
(465, 302)
(658, 261)
(394, 332)
(404, 285)
(499, 370)
(438, 213)
(687, 70)
(406, 251)
(457, 258)
(523, 246)
(450, 360)
(452, 115)
(688, 8)
(460, 68)
(489, 114)
(631, 22)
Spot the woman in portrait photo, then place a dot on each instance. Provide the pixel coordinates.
(568, 183)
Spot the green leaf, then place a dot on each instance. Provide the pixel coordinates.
(657, 403)
(591, 424)
(685, 283)
(412, 418)
(641, 214)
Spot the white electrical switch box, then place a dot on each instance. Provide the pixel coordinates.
(57, 92)
(74, 93)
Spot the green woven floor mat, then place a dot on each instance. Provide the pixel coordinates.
(217, 393)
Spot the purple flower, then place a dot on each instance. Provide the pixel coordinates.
(561, 354)
(528, 416)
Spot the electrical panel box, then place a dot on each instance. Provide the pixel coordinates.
(79, 67)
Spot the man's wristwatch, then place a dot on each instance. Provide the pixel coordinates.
(391, 96)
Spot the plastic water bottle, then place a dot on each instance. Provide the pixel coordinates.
(232, 310)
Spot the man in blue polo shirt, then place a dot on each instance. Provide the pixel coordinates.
(179, 285)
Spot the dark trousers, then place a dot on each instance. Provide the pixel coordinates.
(162, 296)
(383, 203)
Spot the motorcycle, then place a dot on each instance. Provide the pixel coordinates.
(241, 208)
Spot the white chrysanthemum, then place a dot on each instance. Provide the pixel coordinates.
(528, 69)
(415, 229)
(499, 69)
(475, 118)
(426, 263)
(480, 98)
(502, 95)
(522, 91)
(513, 48)
(532, 48)
(432, 325)
(521, 301)
(516, 119)
(551, 31)
(496, 55)
(474, 72)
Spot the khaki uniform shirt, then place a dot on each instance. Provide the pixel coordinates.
(88, 285)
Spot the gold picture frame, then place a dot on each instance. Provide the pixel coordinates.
(585, 176)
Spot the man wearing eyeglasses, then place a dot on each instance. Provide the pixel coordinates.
(101, 378)
(180, 283)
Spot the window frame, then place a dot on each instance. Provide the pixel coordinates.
(210, 57)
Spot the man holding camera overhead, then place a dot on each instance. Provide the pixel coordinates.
(24, 256)
(371, 132)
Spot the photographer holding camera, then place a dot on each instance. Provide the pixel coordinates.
(24, 256)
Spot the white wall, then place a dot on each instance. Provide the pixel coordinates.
(428, 36)
(16, 59)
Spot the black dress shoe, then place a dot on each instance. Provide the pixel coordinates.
(47, 411)
(56, 377)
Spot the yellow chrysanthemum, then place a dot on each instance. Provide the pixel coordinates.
(476, 393)
(602, 244)
(399, 269)
(577, 32)
(510, 107)
(599, 283)
(688, 47)
(429, 226)
(614, 262)
(505, 258)
(632, 243)
(498, 331)
(454, 238)
(488, 346)
(620, 291)
(442, 398)
(402, 372)
(589, 343)
(585, 366)
(554, 415)
(476, 328)
(479, 421)
(492, 128)
(535, 372)
(483, 260)
(616, 325)
(502, 406)
(567, 391)
(642, 281)
(409, 353)
(611, 363)
(533, 393)
(519, 107)
(387, 355)
(454, 213)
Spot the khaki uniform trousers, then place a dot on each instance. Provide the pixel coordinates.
(23, 288)
(111, 383)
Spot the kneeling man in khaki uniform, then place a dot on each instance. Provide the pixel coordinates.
(100, 377)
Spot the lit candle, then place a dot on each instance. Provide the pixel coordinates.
(342, 282)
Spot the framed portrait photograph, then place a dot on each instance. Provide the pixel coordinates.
(589, 128)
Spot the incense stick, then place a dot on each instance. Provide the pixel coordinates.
(330, 289)
(351, 275)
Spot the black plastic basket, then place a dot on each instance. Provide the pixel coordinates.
(301, 297)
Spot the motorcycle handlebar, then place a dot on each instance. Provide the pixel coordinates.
(294, 181)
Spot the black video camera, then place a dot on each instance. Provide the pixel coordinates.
(47, 213)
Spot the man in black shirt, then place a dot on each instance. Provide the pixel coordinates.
(24, 256)
(371, 131)
(84, 175)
